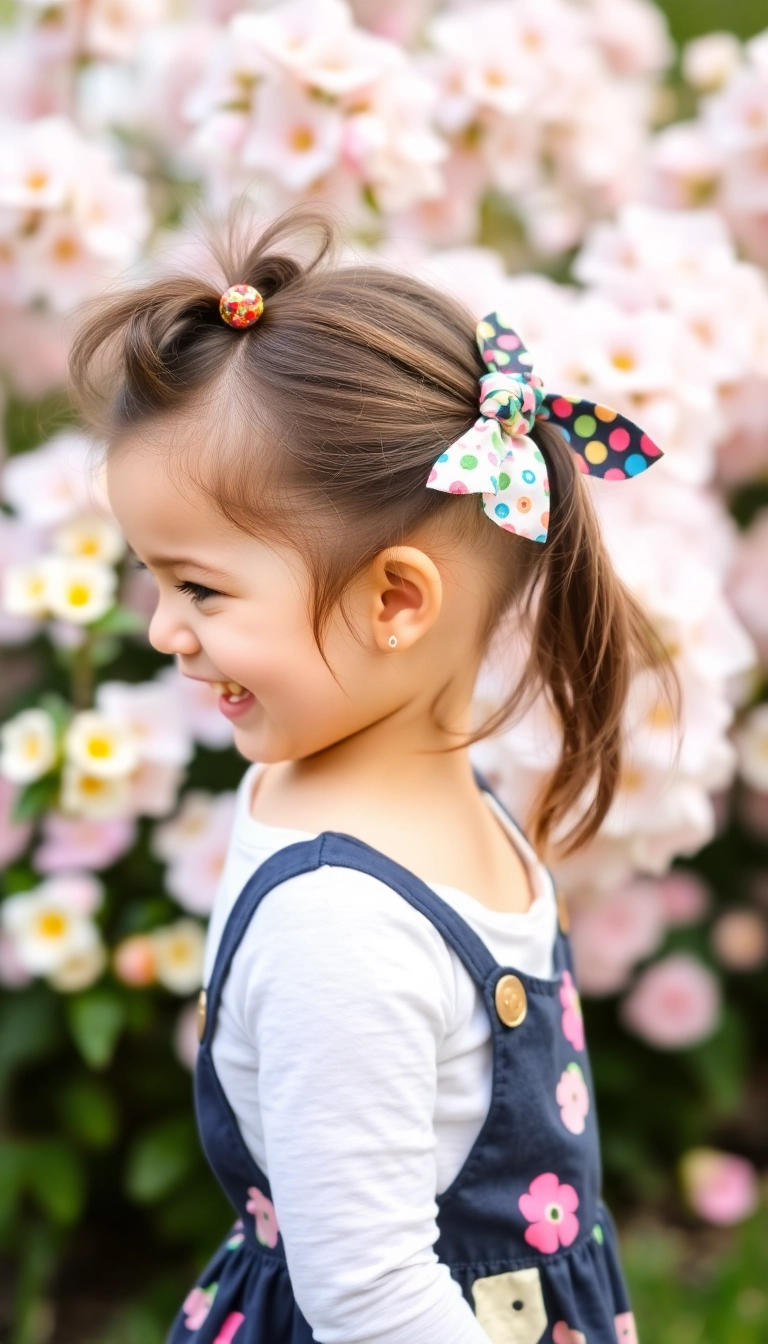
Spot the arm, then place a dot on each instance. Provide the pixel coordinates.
(347, 1002)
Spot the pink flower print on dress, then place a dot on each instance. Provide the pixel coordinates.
(236, 1236)
(197, 1304)
(626, 1330)
(573, 1022)
(229, 1328)
(573, 1099)
(563, 1334)
(550, 1210)
(263, 1211)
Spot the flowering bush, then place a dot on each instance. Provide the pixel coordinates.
(511, 151)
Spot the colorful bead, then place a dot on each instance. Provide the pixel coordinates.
(241, 306)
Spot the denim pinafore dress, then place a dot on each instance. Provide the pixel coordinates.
(522, 1227)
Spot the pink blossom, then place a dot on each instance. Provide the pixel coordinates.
(185, 1040)
(572, 1097)
(196, 843)
(563, 1334)
(263, 1210)
(200, 709)
(674, 1004)
(740, 940)
(55, 482)
(746, 583)
(626, 1330)
(685, 898)
(550, 1209)
(619, 929)
(82, 842)
(14, 836)
(135, 961)
(197, 1304)
(721, 1187)
(13, 972)
(572, 1020)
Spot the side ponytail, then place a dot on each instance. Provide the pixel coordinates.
(588, 636)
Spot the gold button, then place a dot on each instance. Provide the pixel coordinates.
(202, 1004)
(562, 914)
(511, 1003)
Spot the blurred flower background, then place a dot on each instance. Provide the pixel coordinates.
(598, 169)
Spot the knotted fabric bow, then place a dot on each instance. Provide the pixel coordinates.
(496, 457)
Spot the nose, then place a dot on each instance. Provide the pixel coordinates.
(168, 633)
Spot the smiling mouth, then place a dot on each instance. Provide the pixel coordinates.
(231, 689)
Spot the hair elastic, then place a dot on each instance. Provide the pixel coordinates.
(241, 306)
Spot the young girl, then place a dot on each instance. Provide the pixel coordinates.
(341, 487)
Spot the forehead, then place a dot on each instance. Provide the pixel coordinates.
(162, 511)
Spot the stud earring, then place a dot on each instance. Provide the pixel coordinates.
(392, 641)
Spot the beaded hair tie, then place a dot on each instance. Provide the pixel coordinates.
(241, 306)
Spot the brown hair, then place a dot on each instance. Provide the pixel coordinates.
(357, 377)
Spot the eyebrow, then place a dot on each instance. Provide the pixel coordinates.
(169, 561)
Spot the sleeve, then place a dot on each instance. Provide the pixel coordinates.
(347, 1000)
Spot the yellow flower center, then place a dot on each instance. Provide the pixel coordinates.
(624, 360)
(35, 181)
(51, 924)
(79, 595)
(100, 747)
(90, 785)
(302, 139)
(65, 249)
(31, 748)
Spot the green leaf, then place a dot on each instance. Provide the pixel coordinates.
(11, 1178)
(96, 1019)
(89, 1112)
(104, 651)
(160, 1159)
(36, 798)
(119, 621)
(55, 1175)
(58, 708)
(29, 1029)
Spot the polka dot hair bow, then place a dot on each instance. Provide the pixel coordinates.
(497, 459)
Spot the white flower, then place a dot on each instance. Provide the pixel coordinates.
(27, 746)
(101, 745)
(78, 590)
(710, 61)
(80, 970)
(179, 950)
(88, 795)
(47, 931)
(294, 137)
(91, 537)
(752, 745)
(25, 589)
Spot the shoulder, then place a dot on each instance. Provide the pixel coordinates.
(347, 934)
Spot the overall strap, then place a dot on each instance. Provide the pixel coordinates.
(562, 958)
(333, 848)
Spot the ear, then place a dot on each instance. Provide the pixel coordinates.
(406, 597)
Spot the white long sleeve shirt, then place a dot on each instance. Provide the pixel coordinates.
(355, 1052)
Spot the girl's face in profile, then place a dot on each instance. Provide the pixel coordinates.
(232, 608)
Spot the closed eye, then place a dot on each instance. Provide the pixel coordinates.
(197, 591)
